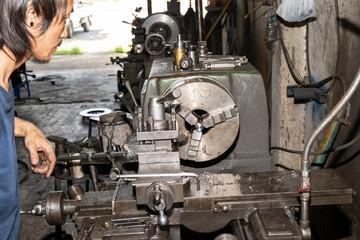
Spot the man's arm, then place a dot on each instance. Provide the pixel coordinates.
(36, 142)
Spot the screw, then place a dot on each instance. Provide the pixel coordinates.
(215, 209)
(225, 208)
(107, 224)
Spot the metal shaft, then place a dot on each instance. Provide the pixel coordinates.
(199, 19)
(218, 20)
(93, 174)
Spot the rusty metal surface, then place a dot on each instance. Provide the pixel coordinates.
(164, 68)
(249, 152)
(223, 198)
(226, 196)
(261, 184)
(274, 224)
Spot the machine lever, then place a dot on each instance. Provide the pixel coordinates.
(163, 220)
(38, 209)
(157, 198)
(170, 96)
(121, 97)
(128, 87)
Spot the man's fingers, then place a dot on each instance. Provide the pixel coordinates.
(51, 162)
(43, 159)
(34, 156)
(40, 169)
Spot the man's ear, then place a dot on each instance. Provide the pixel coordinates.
(31, 18)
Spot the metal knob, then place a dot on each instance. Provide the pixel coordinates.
(163, 220)
(170, 96)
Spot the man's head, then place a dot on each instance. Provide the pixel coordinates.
(33, 27)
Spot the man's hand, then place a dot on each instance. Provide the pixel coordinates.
(42, 156)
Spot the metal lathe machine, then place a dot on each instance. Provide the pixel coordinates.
(191, 161)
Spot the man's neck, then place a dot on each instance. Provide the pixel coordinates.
(7, 66)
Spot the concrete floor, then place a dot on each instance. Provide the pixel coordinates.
(62, 88)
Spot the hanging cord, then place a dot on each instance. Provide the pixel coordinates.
(293, 71)
(308, 52)
(338, 36)
(339, 148)
(319, 84)
(338, 44)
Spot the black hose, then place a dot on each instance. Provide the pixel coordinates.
(290, 64)
(326, 80)
(308, 52)
(339, 148)
(338, 36)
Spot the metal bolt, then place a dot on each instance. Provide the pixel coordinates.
(225, 208)
(107, 224)
(215, 209)
(113, 176)
(199, 127)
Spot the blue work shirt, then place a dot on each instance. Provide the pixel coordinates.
(9, 184)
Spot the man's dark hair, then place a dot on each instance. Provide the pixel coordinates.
(13, 32)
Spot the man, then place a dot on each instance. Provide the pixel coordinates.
(28, 29)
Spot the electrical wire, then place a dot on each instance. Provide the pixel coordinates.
(293, 71)
(268, 89)
(326, 80)
(283, 166)
(335, 76)
(339, 148)
(308, 52)
(338, 44)
(338, 36)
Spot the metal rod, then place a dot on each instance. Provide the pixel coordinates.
(93, 174)
(199, 19)
(89, 133)
(218, 20)
(149, 6)
(70, 206)
(127, 85)
(97, 158)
